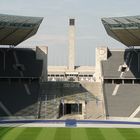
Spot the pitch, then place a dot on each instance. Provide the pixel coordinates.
(22, 133)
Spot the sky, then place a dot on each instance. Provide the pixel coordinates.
(53, 31)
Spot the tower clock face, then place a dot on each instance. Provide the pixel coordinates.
(102, 51)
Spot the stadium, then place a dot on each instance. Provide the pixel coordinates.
(38, 101)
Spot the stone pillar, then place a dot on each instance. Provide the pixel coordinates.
(42, 54)
(71, 59)
(101, 54)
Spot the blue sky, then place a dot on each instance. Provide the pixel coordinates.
(53, 31)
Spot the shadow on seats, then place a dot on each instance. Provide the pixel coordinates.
(132, 60)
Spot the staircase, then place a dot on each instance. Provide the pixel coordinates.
(52, 94)
(93, 88)
(94, 108)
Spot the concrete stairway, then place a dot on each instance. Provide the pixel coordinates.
(52, 93)
(93, 88)
(94, 108)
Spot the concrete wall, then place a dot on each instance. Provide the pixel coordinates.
(101, 54)
(42, 54)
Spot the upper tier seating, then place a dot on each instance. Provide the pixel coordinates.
(127, 61)
(19, 62)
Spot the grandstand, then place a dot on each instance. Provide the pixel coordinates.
(127, 62)
(122, 102)
(20, 69)
(19, 62)
(26, 91)
(19, 77)
(31, 101)
(120, 69)
(121, 83)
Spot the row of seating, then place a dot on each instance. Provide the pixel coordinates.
(123, 100)
(113, 66)
(16, 98)
(19, 62)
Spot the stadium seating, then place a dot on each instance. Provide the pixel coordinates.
(27, 57)
(18, 99)
(19, 62)
(19, 82)
(2, 112)
(116, 59)
(133, 63)
(121, 97)
(111, 66)
(124, 102)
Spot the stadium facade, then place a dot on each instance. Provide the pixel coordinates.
(26, 91)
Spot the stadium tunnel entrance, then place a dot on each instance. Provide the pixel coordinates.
(70, 109)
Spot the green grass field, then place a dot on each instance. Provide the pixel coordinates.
(69, 134)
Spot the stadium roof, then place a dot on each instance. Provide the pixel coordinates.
(124, 29)
(15, 29)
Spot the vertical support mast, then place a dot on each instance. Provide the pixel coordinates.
(71, 44)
